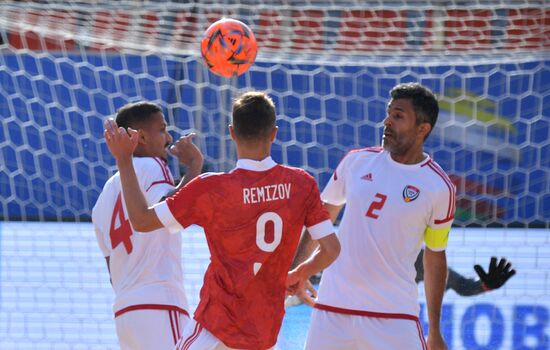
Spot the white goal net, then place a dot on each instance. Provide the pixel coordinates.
(65, 66)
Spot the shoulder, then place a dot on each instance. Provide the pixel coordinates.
(374, 149)
(362, 153)
(438, 176)
(150, 163)
(110, 186)
(153, 169)
(297, 172)
(207, 179)
(106, 196)
(211, 176)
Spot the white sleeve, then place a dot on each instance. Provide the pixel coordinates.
(167, 218)
(157, 191)
(98, 221)
(155, 179)
(320, 230)
(335, 190)
(101, 242)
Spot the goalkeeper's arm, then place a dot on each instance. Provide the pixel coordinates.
(464, 286)
(495, 278)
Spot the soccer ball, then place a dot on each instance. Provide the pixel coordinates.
(228, 47)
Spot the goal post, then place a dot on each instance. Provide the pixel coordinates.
(66, 66)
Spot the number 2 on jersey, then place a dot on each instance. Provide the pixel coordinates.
(376, 205)
(260, 234)
(120, 230)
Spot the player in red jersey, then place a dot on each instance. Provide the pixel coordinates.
(150, 304)
(252, 217)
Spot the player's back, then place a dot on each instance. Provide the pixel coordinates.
(259, 220)
(253, 220)
(145, 269)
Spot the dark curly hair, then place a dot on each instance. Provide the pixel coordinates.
(134, 115)
(423, 100)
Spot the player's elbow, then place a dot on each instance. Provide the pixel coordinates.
(336, 249)
(331, 247)
(143, 222)
(141, 226)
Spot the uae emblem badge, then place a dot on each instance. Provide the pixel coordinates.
(410, 193)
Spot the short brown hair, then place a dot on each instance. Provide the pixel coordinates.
(253, 115)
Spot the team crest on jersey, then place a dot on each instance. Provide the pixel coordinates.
(410, 193)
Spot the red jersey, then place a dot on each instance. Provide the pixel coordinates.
(253, 217)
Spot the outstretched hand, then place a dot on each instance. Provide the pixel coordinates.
(497, 275)
(121, 143)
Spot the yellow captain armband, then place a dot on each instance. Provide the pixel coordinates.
(436, 238)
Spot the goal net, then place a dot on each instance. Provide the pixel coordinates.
(65, 66)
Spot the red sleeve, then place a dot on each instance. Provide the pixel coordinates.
(316, 213)
(192, 203)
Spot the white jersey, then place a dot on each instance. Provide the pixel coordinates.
(391, 208)
(146, 269)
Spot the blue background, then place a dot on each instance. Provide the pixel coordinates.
(55, 162)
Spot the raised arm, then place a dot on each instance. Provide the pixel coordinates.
(122, 145)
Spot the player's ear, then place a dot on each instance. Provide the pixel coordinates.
(142, 137)
(273, 135)
(231, 132)
(424, 129)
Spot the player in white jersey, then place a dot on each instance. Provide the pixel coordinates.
(396, 198)
(150, 306)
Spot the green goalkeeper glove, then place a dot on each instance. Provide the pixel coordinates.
(497, 274)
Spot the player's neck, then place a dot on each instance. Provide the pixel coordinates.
(411, 157)
(253, 155)
(257, 152)
(140, 152)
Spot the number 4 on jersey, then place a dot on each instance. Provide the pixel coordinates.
(120, 230)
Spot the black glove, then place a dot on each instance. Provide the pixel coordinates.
(497, 275)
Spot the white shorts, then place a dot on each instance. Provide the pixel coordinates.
(196, 337)
(150, 329)
(336, 331)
